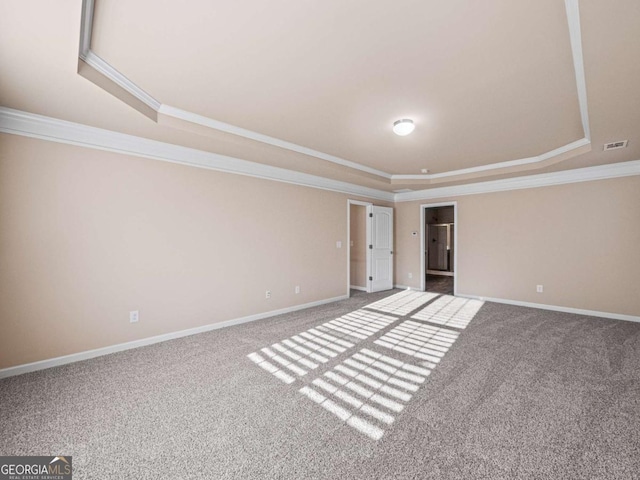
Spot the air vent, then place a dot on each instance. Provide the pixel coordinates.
(615, 145)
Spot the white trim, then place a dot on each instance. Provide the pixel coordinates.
(119, 79)
(358, 202)
(587, 174)
(103, 67)
(556, 308)
(403, 287)
(37, 126)
(259, 137)
(423, 233)
(106, 69)
(575, 36)
(583, 142)
(47, 128)
(100, 65)
(573, 19)
(355, 287)
(86, 28)
(349, 203)
(493, 166)
(98, 352)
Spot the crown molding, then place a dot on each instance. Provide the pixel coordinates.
(587, 174)
(27, 124)
(191, 117)
(575, 36)
(109, 72)
(86, 27)
(104, 68)
(512, 163)
(38, 126)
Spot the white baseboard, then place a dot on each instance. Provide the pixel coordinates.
(556, 308)
(354, 287)
(404, 287)
(98, 352)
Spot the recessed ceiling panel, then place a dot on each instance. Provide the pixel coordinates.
(484, 82)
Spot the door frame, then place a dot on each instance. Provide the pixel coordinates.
(423, 267)
(362, 204)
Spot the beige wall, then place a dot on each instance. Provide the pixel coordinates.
(358, 227)
(580, 241)
(87, 236)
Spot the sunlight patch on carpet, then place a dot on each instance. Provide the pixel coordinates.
(450, 311)
(424, 342)
(367, 391)
(296, 356)
(403, 303)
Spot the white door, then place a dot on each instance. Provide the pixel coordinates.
(380, 248)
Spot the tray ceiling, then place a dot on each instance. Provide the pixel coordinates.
(497, 89)
(485, 82)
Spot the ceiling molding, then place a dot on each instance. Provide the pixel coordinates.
(119, 79)
(258, 137)
(46, 128)
(86, 27)
(27, 124)
(587, 174)
(109, 72)
(512, 163)
(575, 36)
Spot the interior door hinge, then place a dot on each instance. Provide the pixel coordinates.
(371, 215)
(371, 278)
(370, 247)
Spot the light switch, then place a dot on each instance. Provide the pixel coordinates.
(338, 244)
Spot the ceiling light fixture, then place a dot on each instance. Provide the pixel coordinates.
(403, 127)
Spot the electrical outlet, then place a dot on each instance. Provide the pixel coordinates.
(539, 288)
(410, 275)
(267, 294)
(134, 316)
(338, 244)
(297, 288)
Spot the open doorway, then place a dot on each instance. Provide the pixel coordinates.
(439, 252)
(357, 246)
(370, 247)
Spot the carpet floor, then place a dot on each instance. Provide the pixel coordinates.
(389, 385)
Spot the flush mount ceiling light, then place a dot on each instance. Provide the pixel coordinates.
(403, 127)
